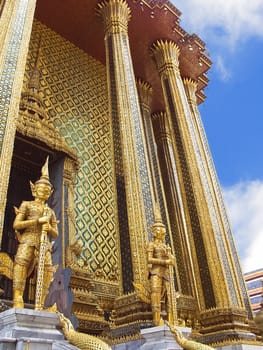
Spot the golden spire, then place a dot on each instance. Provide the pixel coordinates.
(157, 216)
(44, 179)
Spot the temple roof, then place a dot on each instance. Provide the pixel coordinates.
(151, 20)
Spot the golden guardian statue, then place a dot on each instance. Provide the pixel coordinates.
(160, 289)
(35, 225)
(160, 262)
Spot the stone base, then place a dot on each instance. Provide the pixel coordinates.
(22, 329)
(154, 338)
(161, 338)
(240, 347)
(131, 345)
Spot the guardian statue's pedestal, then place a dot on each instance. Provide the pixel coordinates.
(22, 329)
(161, 338)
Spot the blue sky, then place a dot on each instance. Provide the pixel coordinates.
(232, 113)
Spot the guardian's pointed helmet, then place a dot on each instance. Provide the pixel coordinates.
(44, 179)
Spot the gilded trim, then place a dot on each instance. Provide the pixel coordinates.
(11, 81)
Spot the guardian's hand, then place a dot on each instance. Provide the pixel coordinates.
(44, 220)
(171, 260)
(46, 227)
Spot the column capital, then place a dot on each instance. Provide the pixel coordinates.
(145, 92)
(166, 54)
(115, 14)
(159, 115)
(190, 86)
(161, 130)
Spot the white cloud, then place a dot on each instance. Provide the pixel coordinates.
(222, 69)
(244, 202)
(224, 25)
(228, 22)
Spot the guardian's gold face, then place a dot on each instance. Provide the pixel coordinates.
(42, 191)
(158, 232)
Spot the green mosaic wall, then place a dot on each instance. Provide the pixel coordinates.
(74, 92)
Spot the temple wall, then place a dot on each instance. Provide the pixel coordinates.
(74, 92)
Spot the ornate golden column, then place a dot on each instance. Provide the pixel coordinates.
(129, 145)
(17, 17)
(7, 9)
(215, 191)
(184, 265)
(145, 100)
(211, 250)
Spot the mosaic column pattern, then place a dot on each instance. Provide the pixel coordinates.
(206, 236)
(12, 60)
(216, 193)
(145, 100)
(130, 154)
(184, 265)
(7, 9)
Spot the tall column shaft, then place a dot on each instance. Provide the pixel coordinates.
(126, 125)
(145, 100)
(202, 219)
(229, 249)
(184, 265)
(7, 9)
(18, 18)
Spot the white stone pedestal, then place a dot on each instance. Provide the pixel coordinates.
(36, 330)
(240, 347)
(161, 338)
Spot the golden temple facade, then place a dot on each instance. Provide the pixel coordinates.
(110, 91)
